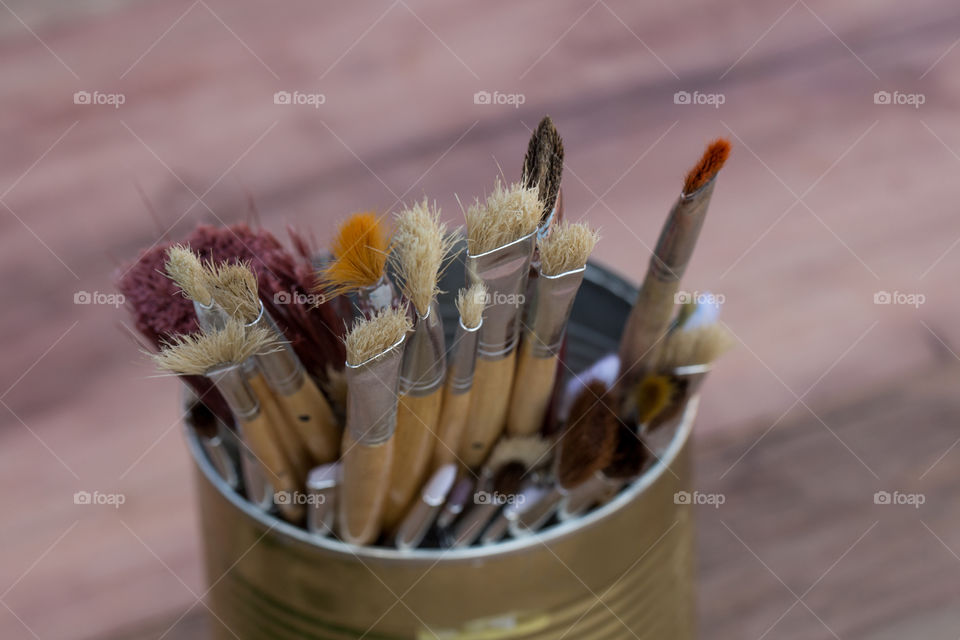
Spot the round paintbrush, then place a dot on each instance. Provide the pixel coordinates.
(360, 249)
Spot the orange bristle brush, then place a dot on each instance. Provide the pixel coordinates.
(360, 249)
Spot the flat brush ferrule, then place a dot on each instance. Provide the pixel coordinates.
(463, 359)
(378, 296)
(210, 317)
(424, 365)
(372, 396)
(679, 235)
(281, 367)
(551, 311)
(230, 380)
(504, 271)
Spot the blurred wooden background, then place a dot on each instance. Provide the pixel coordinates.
(829, 199)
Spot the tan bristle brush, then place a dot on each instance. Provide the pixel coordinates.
(419, 247)
(650, 317)
(585, 447)
(455, 409)
(304, 405)
(220, 356)
(359, 265)
(509, 464)
(374, 354)
(563, 260)
(543, 169)
(501, 236)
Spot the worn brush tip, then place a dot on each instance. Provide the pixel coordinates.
(235, 288)
(370, 337)
(508, 479)
(359, 254)
(184, 268)
(419, 246)
(508, 214)
(699, 346)
(652, 395)
(588, 444)
(629, 455)
(470, 303)
(198, 353)
(543, 164)
(566, 248)
(712, 161)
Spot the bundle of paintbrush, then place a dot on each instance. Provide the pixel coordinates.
(325, 389)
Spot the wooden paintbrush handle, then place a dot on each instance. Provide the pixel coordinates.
(532, 389)
(450, 429)
(282, 428)
(258, 434)
(365, 475)
(489, 401)
(310, 413)
(413, 444)
(648, 322)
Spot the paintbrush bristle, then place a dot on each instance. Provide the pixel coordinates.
(370, 337)
(198, 353)
(359, 255)
(470, 303)
(652, 395)
(629, 455)
(508, 214)
(702, 345)
(184, 268)
(235, 289)
(566, 248)
(530, 451)
(590, 439)
(711, 162)
(543, 164)
(420, 243)
(508, 478)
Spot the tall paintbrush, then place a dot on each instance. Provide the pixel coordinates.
(220, 356)
(500, 240)
(419, 246)
(563, 256)
(359, 265)
(455, 409)
(299, 397)
(374, 354)
(652, 312)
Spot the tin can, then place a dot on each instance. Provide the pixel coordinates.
(623, 570)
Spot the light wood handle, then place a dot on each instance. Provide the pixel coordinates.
(282, 428)
(413, 444)
(450, 428)
(489, 401)
(310, 413)
(648, 321)
(258, 434)
(532, 389)
(365, 474)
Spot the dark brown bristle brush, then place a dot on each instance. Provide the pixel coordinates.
(543, 167)
(653, 310)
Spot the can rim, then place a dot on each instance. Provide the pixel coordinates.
(505, 547)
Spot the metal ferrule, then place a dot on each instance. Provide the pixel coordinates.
(210, 317)
(377, 297)
(281, 367)
(679, 235)
(372, 396)
(551, 310)
(322, 485)
(230, 380)
(424, 364)
(504, 270)
(421, 517)
(463, 358)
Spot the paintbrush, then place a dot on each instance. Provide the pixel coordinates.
(463, 359)
(374, 354)
(418, 249)
(304, 405)
(510, 462)
(220, 356)
(460, 495)
(585, 447)
(322, 483)
(650, 317)
(359, 265)
(563, 256)
(422, 515)
(500, 240)
(543, 171)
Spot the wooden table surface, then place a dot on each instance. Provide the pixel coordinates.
(829, 198)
